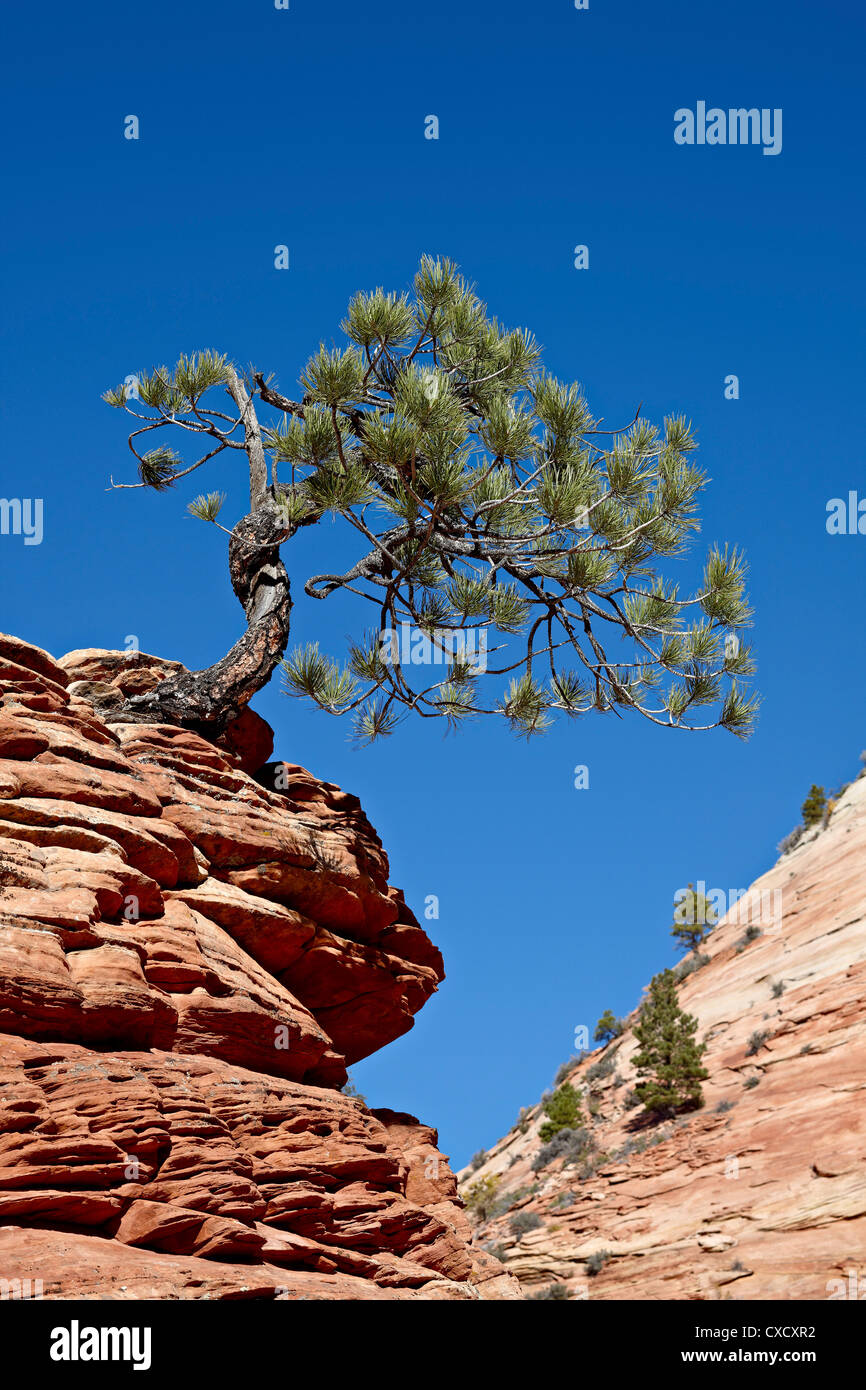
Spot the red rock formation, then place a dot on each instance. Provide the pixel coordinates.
(189, 957)
(762, 1193)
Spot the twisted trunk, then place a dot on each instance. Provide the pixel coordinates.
(206, 701)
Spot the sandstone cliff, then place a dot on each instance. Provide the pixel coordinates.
(194, 942)
(760, 1194)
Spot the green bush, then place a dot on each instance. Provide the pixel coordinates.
(481, 1198)
(694, 919)
(562, 1110)
(812, 809)
(596, 1262)
(608, 1027)
(669, 1057)
(756, 1042)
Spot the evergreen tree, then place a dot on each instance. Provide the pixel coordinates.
(562, 1110)
(812, 809)
(669, 1057)
(482, 499)
(608, 1028)
(694, 918)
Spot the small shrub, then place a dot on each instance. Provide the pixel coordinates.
(596, 1262)
(562, 1200)
(812, 809)
(694, 919)
(478, 1160)
(778, 989)
(562, 1110)
(567, 1068)
(738, 1264)
(497, 1250)
(480, 1198)
(593, 1105)
(557, 1292)
(608, 1028)
(604, 1067)
(790, 841)
(756, 1042)
(752, 1082)
(570, 1144)
(749, 935)
(523, 1221)
(807, 1047)
(591, 1164)
(724, 1106)
(631, 1100)
(690, 965)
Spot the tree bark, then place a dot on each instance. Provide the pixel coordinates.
(207, 700)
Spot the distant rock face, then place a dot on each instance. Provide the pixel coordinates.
(761, 1194)
(194, 942)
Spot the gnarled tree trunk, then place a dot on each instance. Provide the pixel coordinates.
(206, 701)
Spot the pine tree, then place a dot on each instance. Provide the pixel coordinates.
(608, 1028)
(482, 499)
(694, 918)
(562, 1110)
(812, 809)
(669, 1057)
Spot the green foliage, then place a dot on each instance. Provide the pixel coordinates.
(481, 1197)
(157, 468)
(812, 809)
(669, 1058)
(694, 919)
(756, 1042)
(562, 1110)
(596, 1262)
(208, 506)
(478, 1160)
(480, 492)
(608, 1027)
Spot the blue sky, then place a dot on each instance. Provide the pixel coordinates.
(306, 127)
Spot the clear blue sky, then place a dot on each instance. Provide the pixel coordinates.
(305, 127)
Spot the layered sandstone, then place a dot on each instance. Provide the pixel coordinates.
(761, 1193)
(194, 943)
